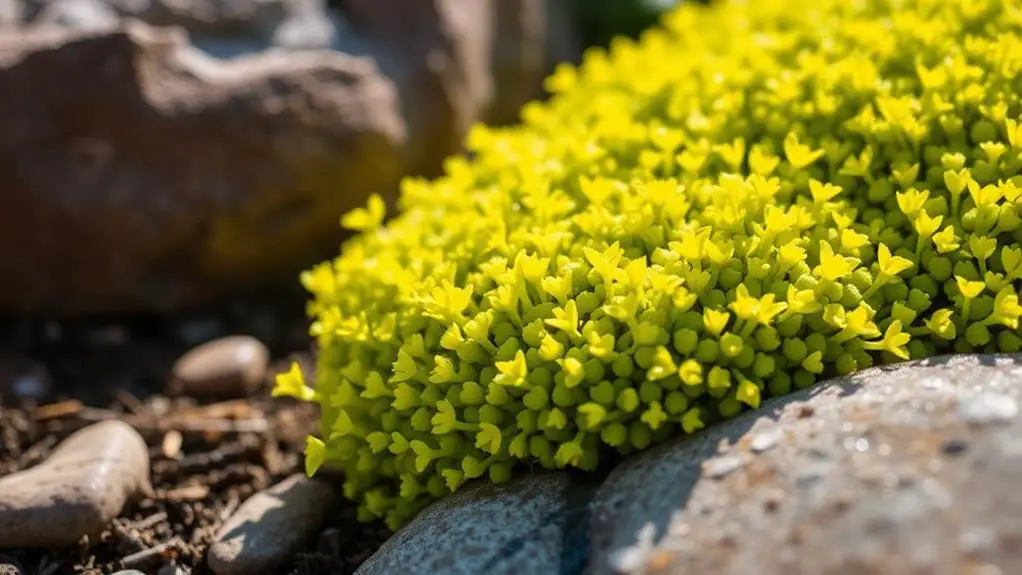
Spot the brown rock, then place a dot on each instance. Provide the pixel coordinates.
(151, 177)
(229, 366)
(10, 13)
(77, 491)
(531, 37)
(903, 469)
(458, 62)
(270, 527)
(437, 53)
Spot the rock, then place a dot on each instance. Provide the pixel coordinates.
(308, 27)
(437, 54)
(282, 132)
(10, 13)
(270, 527)
(519, 56)
(251, 19)
(77, 491)
(531, 37)
(84, 15)
(229, 366)
(159, 177)
(457, 62)
(535, 524)
(23, 379)
(8, 566)
(904, 469)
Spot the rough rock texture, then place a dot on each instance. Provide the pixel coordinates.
(77, 491)
(437, 53)
(169, 166)
(10, 13)
(149, 176)
(532, 525)
(270, 527)
(531, 37)
(906, 469)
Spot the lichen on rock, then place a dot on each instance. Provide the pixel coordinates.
(753, 197)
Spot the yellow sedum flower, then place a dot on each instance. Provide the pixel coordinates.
(755, 196)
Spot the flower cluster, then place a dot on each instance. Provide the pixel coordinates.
(750, 198)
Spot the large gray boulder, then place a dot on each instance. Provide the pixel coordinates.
(906, 469)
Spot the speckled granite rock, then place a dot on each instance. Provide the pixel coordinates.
(532, 525)
(907, 469)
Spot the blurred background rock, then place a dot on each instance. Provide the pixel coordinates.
(158, 154)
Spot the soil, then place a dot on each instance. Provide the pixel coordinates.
(207, 456)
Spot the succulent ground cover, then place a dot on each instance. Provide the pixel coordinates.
(751, 198)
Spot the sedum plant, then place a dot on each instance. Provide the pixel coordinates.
(753, 197)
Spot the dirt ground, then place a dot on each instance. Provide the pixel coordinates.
(207, 456)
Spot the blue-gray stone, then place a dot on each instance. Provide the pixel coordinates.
(535, 524)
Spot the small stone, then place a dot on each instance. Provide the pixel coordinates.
(171, 444)
(988, 408)
(77, 491)
(173, 570)
(8, 566)
(270, 527)
(229, 366)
